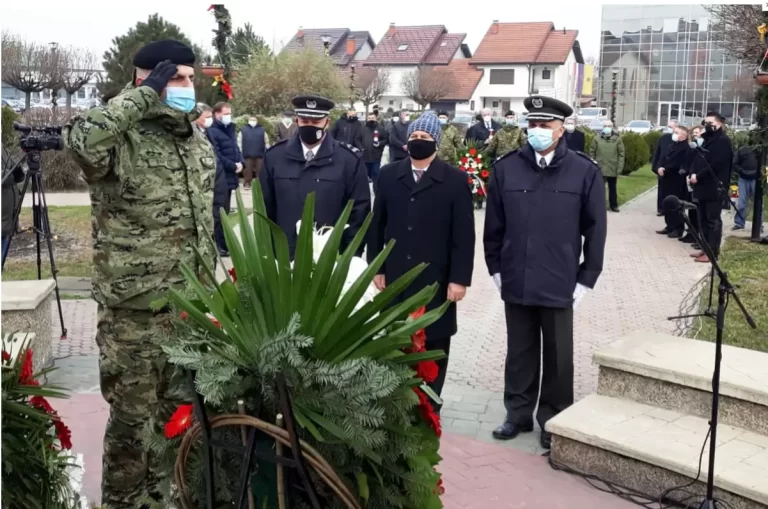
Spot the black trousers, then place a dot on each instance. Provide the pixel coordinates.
(223, 200)
(443, 344)
(613, 199)
(659, 197)
(710, 218)
(528, 328)
(673, 185)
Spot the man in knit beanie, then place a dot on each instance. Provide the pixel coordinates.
(425, 205)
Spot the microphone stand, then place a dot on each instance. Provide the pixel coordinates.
(725, 290)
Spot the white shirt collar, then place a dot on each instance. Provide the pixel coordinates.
(415, 169)
(306, 149)
(548, 158)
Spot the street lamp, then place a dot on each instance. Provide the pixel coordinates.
(614, 73)
(352, 86)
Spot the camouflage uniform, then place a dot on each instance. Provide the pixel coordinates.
(451, 145)
(509, 138)
(151, 185)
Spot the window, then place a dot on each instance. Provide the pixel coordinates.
(402, 47)
(391, 103)
(495, 104)
(546, 74)
(81, 93)
(502, 77)
(472, 105)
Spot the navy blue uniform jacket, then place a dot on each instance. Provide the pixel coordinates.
(336, 175)
(432, 222)
(224, 141)
(534, 224)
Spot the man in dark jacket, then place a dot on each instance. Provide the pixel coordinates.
(745, 165)
(10, 196)
(313, 162)
(672, 170)
(709, 177)
(483, 131)
(573, 138)
(398, 137)
(347, 129)
(661, 147)
(373, 138)
(254, 144)
(425, 205)
(542, 201)
(229, 163)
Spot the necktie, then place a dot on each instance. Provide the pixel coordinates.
(418, 174)
(543, 163)
(309, 155)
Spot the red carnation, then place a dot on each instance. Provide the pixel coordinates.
(41, 403)
(184, 315)
(440, 489)
(463, 160)
(471, 181)
(233, 275)
(6, 356)
(473, 152)
(485, 174)
(63, 433)
(480, 191)
(26, 375)
(427, 371)
(179, 422)
(428, 412)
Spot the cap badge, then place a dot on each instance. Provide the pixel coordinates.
(537, 102)
(311, 105)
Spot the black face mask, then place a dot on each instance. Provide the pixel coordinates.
(310, 134)
(710, 128)
(352, 119)
(421, 149)
(371, 123)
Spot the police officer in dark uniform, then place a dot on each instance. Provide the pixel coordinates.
(543, 199)
(314, 162)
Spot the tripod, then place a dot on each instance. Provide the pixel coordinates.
(725, 290)
(40, 222)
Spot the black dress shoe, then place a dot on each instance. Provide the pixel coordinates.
(663, 231)
(659, 214)
(615, 209)
(546, 440)
(223, 253)
(696, 246)
(676, 234)
(687, 239)
(509, 430)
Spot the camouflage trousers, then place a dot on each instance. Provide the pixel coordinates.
(135, 378)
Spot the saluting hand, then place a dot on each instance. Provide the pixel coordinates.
(456, 292)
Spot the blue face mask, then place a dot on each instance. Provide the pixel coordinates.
(180, 98)
(607, 131)
(699, 141)
(443, 121)
(539, 138)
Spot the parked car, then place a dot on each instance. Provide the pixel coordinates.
(638, 126)
(596, 124)
(15, 105)
(522, 121)
(585, 116)
(463, 121)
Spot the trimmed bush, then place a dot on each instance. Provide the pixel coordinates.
(589, 134)
(637, 152)
(738, 139)
(652, 139)
(9, 135)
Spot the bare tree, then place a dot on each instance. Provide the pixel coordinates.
(82, 67)
(374, 83)
(27, 66)
(426, 85)
(56, 63)
(738, 24)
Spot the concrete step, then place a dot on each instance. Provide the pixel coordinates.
(650, 449)
(676, 373)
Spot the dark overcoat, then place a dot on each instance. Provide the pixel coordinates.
(713, 167)
(432, 222)
(535, 221)
(336, 175)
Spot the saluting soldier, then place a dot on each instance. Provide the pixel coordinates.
(313, 162)
(542, 201)
(509, 138)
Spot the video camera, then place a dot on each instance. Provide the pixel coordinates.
(39, 139)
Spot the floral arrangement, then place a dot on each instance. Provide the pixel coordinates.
(353, 359)
(477, 166)
(38, 469)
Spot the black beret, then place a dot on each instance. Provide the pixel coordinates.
(158, 51)
(510, 113)
(442, 113)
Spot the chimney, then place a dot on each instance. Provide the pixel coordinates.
(563, 30)
(351, 45)
(300, 34)
(391, 30)
(495, 26)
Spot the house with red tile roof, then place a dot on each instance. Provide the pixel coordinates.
(404, 50)
(344, 46)
(520, 59)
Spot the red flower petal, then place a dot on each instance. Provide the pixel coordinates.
(485, 174)
(64, 434)
(440, 488)
(464, 160)
(472, 151)
(233, 275)
(184, 315)
(427, 371)
(216, 322)
(41, 403)
(26, 374)
(179, 422)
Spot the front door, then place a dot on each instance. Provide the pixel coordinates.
(668, 111)
(505, 107)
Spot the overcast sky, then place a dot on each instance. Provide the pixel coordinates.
(93, 25)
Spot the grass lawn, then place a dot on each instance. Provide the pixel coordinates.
(71, 227)
(747, 266)
(635, 184)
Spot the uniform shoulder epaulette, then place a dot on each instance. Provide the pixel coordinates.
(352, 149)
(506, 155)
(582, 154)
(277, 144)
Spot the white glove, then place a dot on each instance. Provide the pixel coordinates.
(578, 293)
(497, 281)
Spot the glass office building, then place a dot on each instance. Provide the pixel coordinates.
(667, 63)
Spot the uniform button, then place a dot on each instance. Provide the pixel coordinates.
(408, 257)
(410, 228)
(413, 199)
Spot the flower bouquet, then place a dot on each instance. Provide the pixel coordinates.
(38, 470)
(351, 359)
(477, 167)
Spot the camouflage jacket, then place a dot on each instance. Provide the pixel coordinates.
(151, 184)
(509, 138)
(451, 145)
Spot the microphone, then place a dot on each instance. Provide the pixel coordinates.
(673, 204)
(696, 146)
